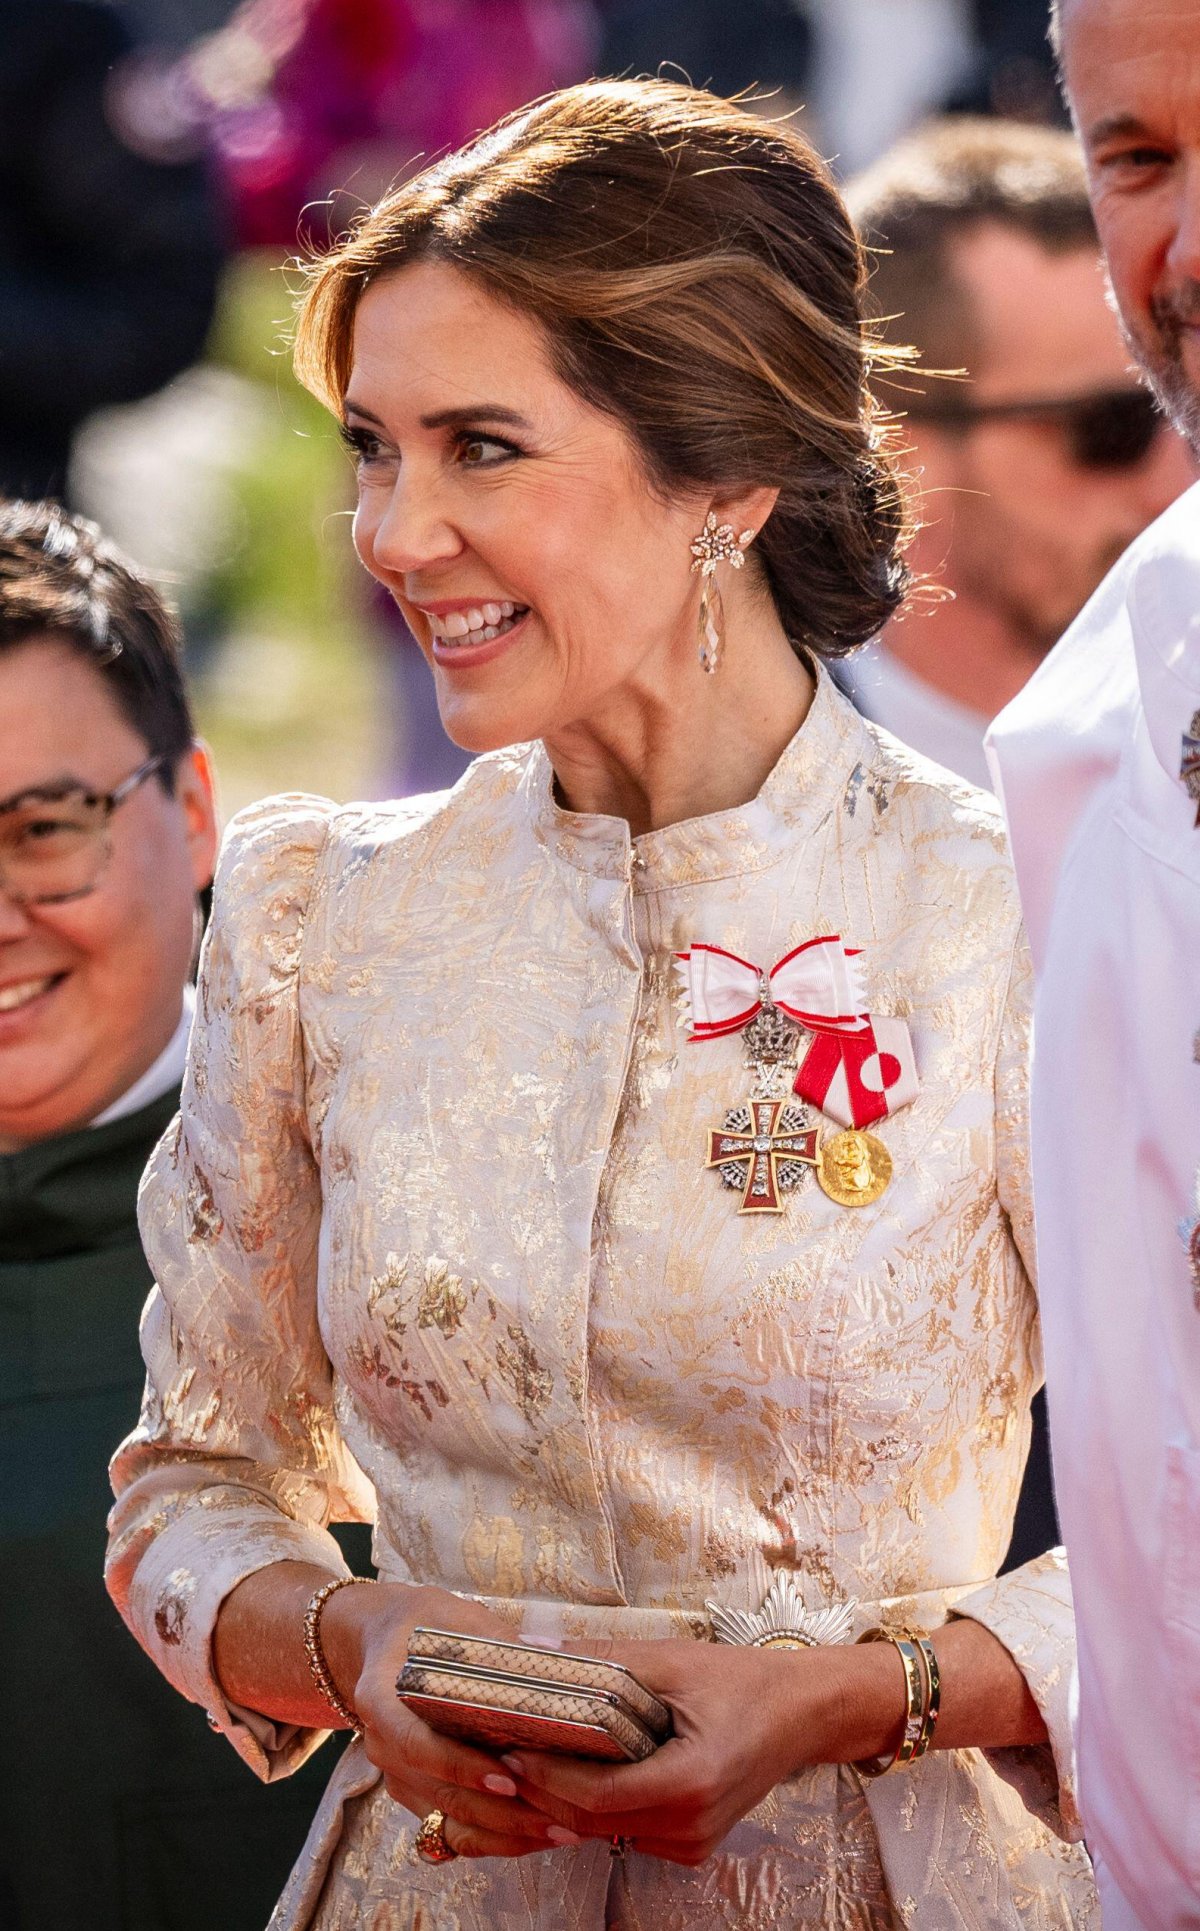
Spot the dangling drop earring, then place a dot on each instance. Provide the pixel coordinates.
(715, 544)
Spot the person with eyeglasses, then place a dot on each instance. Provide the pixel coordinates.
(112, 1790)
(1098, 765)
(1040, 461)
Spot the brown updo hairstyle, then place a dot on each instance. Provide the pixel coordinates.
(699, 279)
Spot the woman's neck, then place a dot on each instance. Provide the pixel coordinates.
(682, 744)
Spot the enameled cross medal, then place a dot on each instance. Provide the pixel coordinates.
(809, 1038)
(766, 1147)
(766, 1139)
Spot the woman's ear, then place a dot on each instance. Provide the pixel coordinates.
(748, 510)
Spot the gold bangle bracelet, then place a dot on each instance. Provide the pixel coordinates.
(317, 1664)
(933, 1695)
(916, 1706)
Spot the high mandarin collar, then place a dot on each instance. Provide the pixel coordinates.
(805, 785)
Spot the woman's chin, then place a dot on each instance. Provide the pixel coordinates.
(477, 725)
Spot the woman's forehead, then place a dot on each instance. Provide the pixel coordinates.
(428, 338)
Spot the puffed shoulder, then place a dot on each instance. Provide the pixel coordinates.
(272, 850)
(261, 892)
(942, 803)
(291, 821)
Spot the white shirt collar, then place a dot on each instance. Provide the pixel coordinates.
(1164, 617)
(166, 1072)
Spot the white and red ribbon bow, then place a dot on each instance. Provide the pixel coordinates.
(858, 1068)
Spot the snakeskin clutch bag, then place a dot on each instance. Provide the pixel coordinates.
(503, 1695)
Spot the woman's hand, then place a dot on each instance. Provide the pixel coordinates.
(365, 1636)
(260, 1664)
(744, 1720)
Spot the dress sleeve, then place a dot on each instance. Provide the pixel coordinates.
(236, 1461)
(1029, 1610)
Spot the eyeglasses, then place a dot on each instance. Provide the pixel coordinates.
(54, 840)
(1108, 429)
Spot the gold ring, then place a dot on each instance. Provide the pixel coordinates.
(431, 1840)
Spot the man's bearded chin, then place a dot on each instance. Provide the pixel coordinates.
(1160, 355)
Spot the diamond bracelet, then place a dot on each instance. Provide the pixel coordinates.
(317, 1664)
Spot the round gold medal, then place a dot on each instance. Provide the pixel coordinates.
(854, 1169)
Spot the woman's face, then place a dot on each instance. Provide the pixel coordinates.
(510, 520)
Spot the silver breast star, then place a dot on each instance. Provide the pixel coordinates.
(783, 1622)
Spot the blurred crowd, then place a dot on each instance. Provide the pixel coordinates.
(163, 162)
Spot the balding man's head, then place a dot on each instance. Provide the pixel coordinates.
(1132, 75)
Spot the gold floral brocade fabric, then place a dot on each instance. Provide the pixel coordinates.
(435, 1246)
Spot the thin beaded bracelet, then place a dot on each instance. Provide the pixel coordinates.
(917, 1684)
(316, 1655)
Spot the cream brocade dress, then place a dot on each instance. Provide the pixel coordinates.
(435, 1245)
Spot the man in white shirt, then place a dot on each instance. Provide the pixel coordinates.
(1098, 762)
(1043, 464)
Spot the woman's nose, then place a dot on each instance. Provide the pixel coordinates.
(406, 532)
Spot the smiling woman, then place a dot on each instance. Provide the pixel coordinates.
(636, 336)
(642, 1290)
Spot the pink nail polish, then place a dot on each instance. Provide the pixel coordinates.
(514, 1764)
(558, 1835)
(500, 1786)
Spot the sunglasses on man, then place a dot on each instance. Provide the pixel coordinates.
(1106, 429)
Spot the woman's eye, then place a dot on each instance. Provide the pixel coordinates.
(363, 446)
(482, 452)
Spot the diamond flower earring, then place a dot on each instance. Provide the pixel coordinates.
(715, 544)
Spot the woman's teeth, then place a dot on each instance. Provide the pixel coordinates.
(20, 995)
(477, 626)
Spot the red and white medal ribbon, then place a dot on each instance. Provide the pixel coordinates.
(858, 1068)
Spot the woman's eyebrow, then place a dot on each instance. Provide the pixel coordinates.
(352, 408)
(448, 418)
(479, 412)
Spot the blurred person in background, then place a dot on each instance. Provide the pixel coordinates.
(760, 44)
(1012, 69)
(1098, 759)
(117, 1810)
(877, 69)
(1037, 469)
(110, 238)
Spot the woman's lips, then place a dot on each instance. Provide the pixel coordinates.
(458, 653)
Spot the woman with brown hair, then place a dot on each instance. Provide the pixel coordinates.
(610, 1176)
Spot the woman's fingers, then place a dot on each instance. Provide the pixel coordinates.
(480, 1826)
(396, 1741)
(467, 1840)
(673, 1776)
